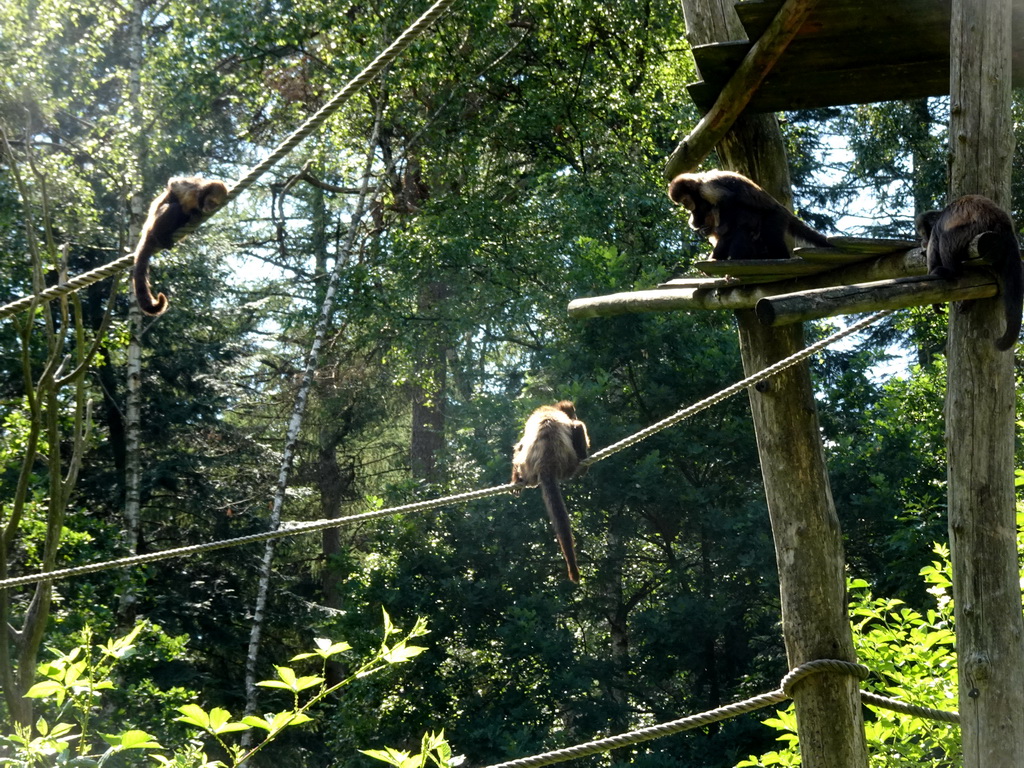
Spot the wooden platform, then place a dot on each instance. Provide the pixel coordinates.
(858, 275)
(847, 52)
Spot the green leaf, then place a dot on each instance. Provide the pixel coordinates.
(289, 681)
(401, 653)
(195, 715)
(132, 740)
(44, 689)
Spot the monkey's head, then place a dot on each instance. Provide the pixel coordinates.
(690, 191)
(925, 223)
(567, 407)
(196, 194)
(684, 190)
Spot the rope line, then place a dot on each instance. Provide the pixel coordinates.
(295, 528)
(369, 72)
(314, 122)
(286, 529)
(779, 695)
(909, 709)
(728, 392)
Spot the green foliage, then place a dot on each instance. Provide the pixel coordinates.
(912, 657)
(433, 749)
(76, 681)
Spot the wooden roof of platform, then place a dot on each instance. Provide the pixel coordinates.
(846, 52)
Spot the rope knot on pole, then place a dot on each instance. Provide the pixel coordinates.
(809, 668)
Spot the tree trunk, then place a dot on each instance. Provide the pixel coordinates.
(133, 371)
(980, 412)
(333, 482)
(294, 425)
(805, 527)
(428, 391)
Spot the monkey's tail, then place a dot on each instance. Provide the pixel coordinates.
(559, 517)
(805, 234)
(1010, 275)
(140, 277)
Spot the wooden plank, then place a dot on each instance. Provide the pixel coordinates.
(659, 300)
(792, 86)
(688, 281)
(739, 295)
(847, 23)
(831, 256)
(847, 52)
(734, 96)
(872, 297)
(873, 246)
(754, 268)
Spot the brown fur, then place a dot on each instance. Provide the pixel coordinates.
(946, 236)
(741, 219)
(185, 201)
(553, 444)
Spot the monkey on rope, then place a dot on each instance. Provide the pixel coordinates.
(554, 443)
(185, 200)
(946, 237)
(741, 220)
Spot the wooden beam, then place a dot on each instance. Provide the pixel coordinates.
(658, 300)
(737, 93)
(805, 527)
(981, 412)
(689, 293)
(776, 306)
(872, 297)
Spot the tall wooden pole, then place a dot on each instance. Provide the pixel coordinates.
(805, 527)
(980, 412)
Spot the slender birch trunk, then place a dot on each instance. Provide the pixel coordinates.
(295, 424)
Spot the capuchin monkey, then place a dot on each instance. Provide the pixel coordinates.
(553, 444)
(741, 219)
(946, 236)
(186, 200)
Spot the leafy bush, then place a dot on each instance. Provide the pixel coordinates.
(75, 681)
(912, 658)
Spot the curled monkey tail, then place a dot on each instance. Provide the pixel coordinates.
(559, 517)
(1010, 275)
(140, 277)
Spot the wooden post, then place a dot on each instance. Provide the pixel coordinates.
(980, 412)
(805, 527)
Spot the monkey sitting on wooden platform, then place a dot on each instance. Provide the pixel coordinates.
(185, 201)
(554, 443)
(946, 237)
(741, 219)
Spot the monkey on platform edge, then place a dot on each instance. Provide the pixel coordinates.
(741, 219)
(946, 236)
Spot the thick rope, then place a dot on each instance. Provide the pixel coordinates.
(372, 70)
(286, 529)
(739, 386)
(291, 529)
(779, 695)
(287, 145)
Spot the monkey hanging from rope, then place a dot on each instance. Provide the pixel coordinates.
(741, 219)
(946, 236)
(185, 201)
(554, 443)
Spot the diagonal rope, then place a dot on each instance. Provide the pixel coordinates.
(314, 122)
(292, 529)
(779, 695)
(739, 386)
